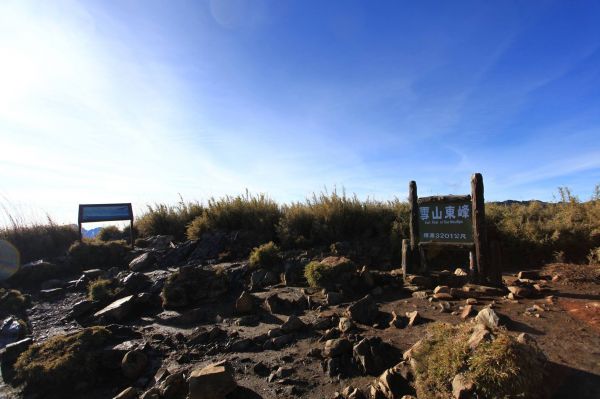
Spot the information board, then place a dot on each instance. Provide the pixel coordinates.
(445, 220)
(104, 213)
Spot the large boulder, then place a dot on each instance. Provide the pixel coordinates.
(488, 318)
(212, 382)
(371, 355)
(118, 310)
(364, 311)
(393, 383)
(245, 303)
(142, 262)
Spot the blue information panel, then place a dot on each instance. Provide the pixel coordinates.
(104, 212)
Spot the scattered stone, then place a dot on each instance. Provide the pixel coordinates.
(488, 318)
(134, 363)
(460, 272)
(364, 311)
(281, 341)
(413, 318)
(520, 291)
(245, 303)
(334, 298)
(420, 294)
(444, 289)
(261, 369)
(127, 393)
(471, 301)
(445, 307)
(371, 355)
(528, 275)
(414, 279)
(118, 310)
(462, 387)
(174, 386)
(212, 382)
(466, 312)
(293, 324)
(337, 347)
(144, 261)
(136, 282)
(93, 274)
(556, 277)
(392, 383)
(345, 324)
(398, 321)
(11, 330)
(52, 293)
(479, 334)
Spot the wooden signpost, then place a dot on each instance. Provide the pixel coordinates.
(106, 213)
(449, 221)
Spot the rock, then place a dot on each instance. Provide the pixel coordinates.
(364, 311)
(135, 282)
(556, 277)
(445, 307)
(443, 296)
(520, 291)
(460, 272)
(93, 274)
(528, 275)
(248, 321)
(156, 242)
(275, 305)
(127, 393)
(420, 294)
(479, 334)
(337, 347)
(144, 261)
(292, 324)
(488, 318)
(345, 324)
(152, 393)
(392, 383)
(212, 382)
(421, 281)
(11, 330)
(471, 301)
(10, 355)
(334, 298)
(443, 289)
(82, 307)
(462, 387)
(52, 283)
(241, 345)
(332, 333)
(466, 312)
(371, 355)
(398, 321)
(52, 293)
(283, 340)
(118, 310)
(174, 386)
(245, 303)
(413, 318)
(261, 369)
(134, 363)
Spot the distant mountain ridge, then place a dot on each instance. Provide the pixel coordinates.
(90, 233)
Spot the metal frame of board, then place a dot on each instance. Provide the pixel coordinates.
(81, 219)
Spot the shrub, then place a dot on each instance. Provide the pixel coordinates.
(13, 302)
(499, 368)
(98, 254)
(112, 233)
(190, 285)
(594, 256)
(266, 256)
(327, 272)
(254, 214)
(39, 241)
(162, 219)
(102, 290)
(56, 363)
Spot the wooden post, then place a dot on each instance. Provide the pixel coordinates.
(479, 229)
(131, 233)
(414, 226)
(405, 256)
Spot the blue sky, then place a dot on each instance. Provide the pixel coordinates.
(137, 101)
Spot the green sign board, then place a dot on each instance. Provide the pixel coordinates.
(445, 221)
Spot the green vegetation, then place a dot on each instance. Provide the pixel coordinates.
(13, 302)
(113, 233)
(56, 363)
(501, 367)
(162, 219)
(98, 254)
(102, 290)
(256, 215)
(327, 272)
(265, 256)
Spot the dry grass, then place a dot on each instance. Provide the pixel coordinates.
(98, 254)
(571, 274)
(499, 368)
(62, 360)
(265, 256)
(325, 274)
(102, 290)
(13, 302)
(163, 219)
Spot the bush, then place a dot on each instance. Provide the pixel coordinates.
(56, 363)
(113, 233)
(266, 256)
(98, 254)
(254, 214)
(39, 241)
(102, 290)
(499, 368)
(162, 219)
(13, 302)
(327, 272)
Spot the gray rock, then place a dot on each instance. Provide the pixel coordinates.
(337, 347)
(212, 382)
(334, 298)
(134, 363)
(293, 324)
(364, 311)
(462, 387)
(118, 310)
(144, 261)
(488, 318)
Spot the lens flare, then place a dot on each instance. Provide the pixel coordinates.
(10, 260)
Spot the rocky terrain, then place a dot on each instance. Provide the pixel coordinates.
(177, 320)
